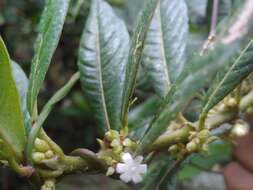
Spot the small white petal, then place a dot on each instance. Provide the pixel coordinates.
(137, 178)
(138, 159)
(142, 168)
(127, 157)
(121, 168)
(125, 177)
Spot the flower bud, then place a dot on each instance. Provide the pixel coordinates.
(231, 102)
(110, 171)
(38, 157)
(49, 154)
(204, 134)
(112, 134)
(41, 145)
(240, 129)
(115, 143)
(192, 147)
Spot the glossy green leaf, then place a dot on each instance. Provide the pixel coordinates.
(164, 53)
(22, 86)
(136, 51)
(198, 73)
(58, 96)
(228, 79)
(51, 25)
(161, 173)
(12, 130)
(102, 61)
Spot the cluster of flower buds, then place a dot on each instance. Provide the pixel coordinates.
(113, 146)
(178, 150)
(198, 141)
(42, 153)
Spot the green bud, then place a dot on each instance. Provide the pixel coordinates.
(204, 148)
(49, 154)
(173, 149)
(38, 157)
(204, 134)
(41, 145)
(117, 149)
(111, 135)
(192, 147)
(115, 143)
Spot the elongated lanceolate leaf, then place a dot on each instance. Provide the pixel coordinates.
(165, 48)
(136, 51)
(199, 72)
(51, 25)
(228, 79)
(12, 130)
(102, 61)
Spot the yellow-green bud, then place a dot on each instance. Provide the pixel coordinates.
(111, 135)
(117, 149)
(191, 147)
(115, 143)
(49, 154)
(110, 171)
(38, 157)
(204, 134)
(41, 145)
(231, 102)
(204, 147)
(173, 149)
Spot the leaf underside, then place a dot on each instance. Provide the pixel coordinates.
(164, 53)
(103, 55)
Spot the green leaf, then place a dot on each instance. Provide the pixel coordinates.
(51, 25)
(102, 61)
(22, 86)
(164, 53)
(12, 130)
(198, 73)
(58, 96)
(161, 173)
(228, 79)
(136, 51)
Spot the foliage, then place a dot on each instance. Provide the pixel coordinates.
(139, 84)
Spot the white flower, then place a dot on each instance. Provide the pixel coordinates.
(131, 169)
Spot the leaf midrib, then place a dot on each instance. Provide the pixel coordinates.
(99, 67)
(162, 46)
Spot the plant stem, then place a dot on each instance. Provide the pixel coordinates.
(165, 140)
(213, 121)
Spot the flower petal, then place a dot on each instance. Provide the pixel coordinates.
(142, 168)
(121, 168)
(137, 178)
(125, 177)
(127, 157)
